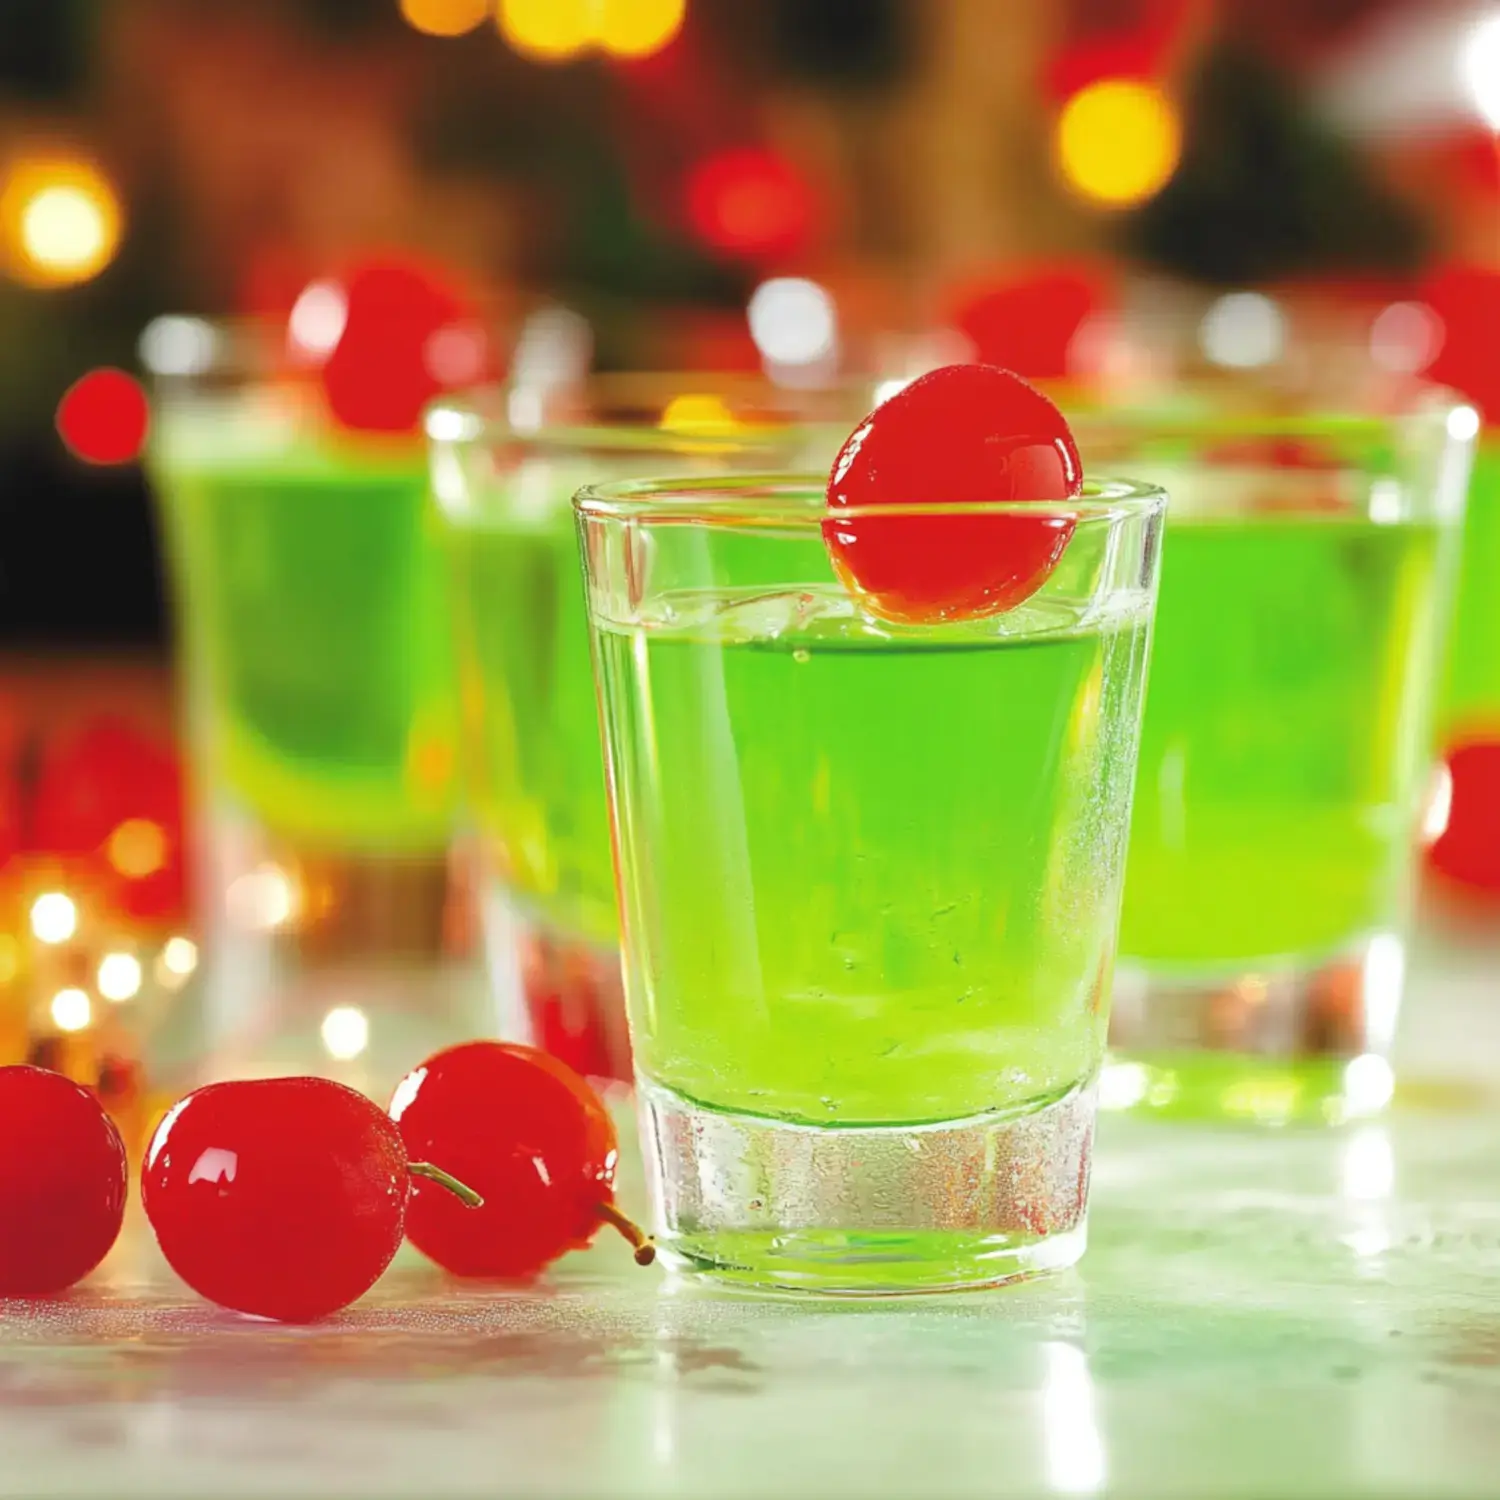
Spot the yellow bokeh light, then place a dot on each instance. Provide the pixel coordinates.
(445, 17)
(1118, 142)
(137, 848)
(60, 221)
(637, 28)
(548, 30)
(703, 416)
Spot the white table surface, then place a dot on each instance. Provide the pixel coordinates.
(1303, 1313)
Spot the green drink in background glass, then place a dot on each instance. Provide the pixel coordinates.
(1472, 701)
(1285, 752)
(504, 477)
(869, 877)
(322, 716)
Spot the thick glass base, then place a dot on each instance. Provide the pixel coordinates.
(555, 990)
(350, 964)
(870, 1210)
(1274, 1043)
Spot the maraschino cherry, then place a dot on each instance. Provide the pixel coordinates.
(1467, 852)
(285, 1198)
(958, 436)
(62, 1182)
(530, 1135)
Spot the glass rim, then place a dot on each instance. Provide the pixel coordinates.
(798, 500)
(480, 414)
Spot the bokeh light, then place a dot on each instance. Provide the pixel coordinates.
(60, 220)
(180, 955)
(181, 346)
(445, 17)
(1481, 68)
(705, 415)
(750, 203)
(793, 321)
(317, 321)
(1243, 331)
(638, 28)
(346, 1032)
(1118, 142)
(119, 977)
(54, 917)
(137, 848)
(104, 417)
(71, 1010)
(547, 30)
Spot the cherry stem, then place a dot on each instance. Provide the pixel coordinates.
(465, 1194)
(636, 1237)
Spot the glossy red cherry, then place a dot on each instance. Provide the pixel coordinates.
(281, 1197)
(1467, 852)
(961, 435)
(62, 1182)
(536, 1141)
(407, 336)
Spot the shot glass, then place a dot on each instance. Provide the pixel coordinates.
(505, 467)
(321, 716)
(1285, 764)
(868, 878)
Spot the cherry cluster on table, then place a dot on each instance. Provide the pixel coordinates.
(287, 1198)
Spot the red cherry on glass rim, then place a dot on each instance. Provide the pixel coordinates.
(961, 435)
(62, 1182)
(1467, 852)
(281, 1197)
(539, 1145)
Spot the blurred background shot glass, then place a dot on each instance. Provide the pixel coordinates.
(321, 713)
(505, 469)
(1286, 762)
(869, 884)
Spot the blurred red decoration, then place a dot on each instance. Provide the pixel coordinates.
(1467, 852)
(407, 337)
(752, 204)
(104, 417)
(1027, 320)
(1466, 302)
(109, 800)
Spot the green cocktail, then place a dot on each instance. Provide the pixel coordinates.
(310, 585)
(1472, 701)
(869, 878)
(322, 721)
(534, 768)
(1285, 754)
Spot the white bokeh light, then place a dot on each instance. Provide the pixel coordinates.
(317, 321)
(179, 346)
(1405, 338)
(54, 917)
(1243, 331)
(71, 1010)
(119, 976)
(1481, 69)
(793, 321)
(346, 1032)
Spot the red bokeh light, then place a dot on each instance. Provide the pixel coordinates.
(1466, 302)
(1131, 39)
(104, 417)
(1467, 852)
(751, 203)
(1027, 320)
(408, 336)
(108, 777)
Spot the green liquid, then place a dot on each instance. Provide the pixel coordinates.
(1473, 696)
(870, 880)
(311, 611)
(535, 766)
(1283, 751)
